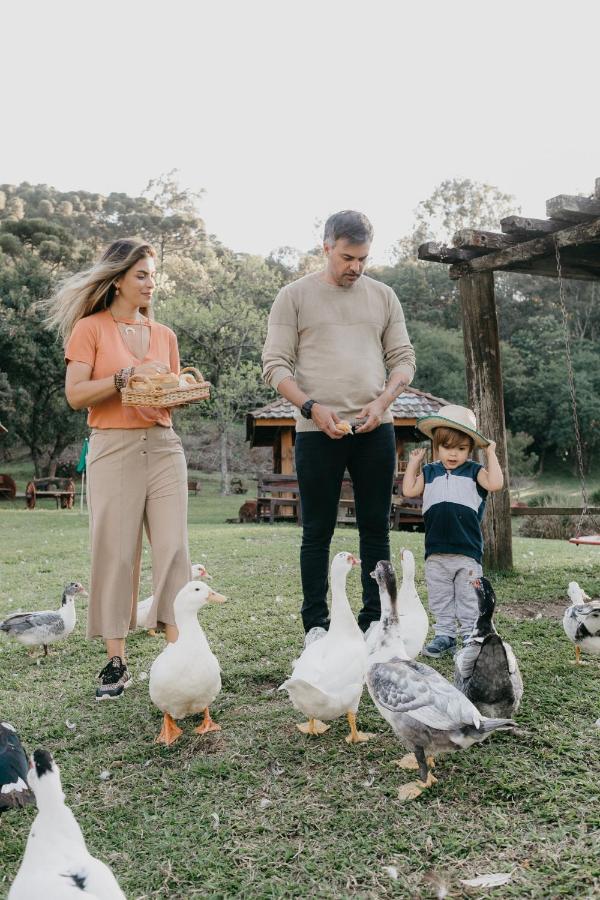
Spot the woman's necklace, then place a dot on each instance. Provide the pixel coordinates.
(135, 337)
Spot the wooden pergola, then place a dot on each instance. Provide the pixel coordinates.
(530, 246)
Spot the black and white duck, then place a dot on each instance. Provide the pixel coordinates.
(415, 622)
(428, 715)
(581, 622)
(486, 669)
(57, 862)
(34, 629)
(14, 790)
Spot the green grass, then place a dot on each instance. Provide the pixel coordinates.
(260, 810)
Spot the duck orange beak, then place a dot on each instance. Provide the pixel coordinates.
(213, 597)
(354, 560)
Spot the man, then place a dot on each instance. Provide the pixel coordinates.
(331, 337)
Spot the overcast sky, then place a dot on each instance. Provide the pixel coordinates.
(287, 111)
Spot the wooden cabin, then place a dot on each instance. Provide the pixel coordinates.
(274, 425)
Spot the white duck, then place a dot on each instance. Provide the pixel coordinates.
(581, 622)
(427, 714)
(47, 626)
(328, 678)
(186, 677)
(57, 864)
(414, 619)
(144, 607)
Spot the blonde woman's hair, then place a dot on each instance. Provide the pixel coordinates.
(94, 289)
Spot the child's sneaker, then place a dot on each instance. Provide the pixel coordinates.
(439, 646)
(113, 679)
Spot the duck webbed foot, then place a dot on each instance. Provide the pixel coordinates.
(314, 727)
(410, 762)
(355, 736)
(207, 724)
(169, 732)
(414, 789)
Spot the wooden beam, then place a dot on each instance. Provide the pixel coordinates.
(484, 386)
(433, 251)
(552, 511)
(287, 451)
(471, 239)
(573, 209)
(278, 423)
(588, 232)
(545, 268)
(597, 189)
(530, 227)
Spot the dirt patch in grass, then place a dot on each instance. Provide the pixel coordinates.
(533, 609)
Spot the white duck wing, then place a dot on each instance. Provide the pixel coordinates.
(414, 689)
(50, 623)
(465, 659)
(143, 611)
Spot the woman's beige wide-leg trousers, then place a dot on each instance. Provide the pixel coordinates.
(136, 477)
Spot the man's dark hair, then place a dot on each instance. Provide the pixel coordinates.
(349, 224)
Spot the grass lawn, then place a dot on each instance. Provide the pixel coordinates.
(260, 810)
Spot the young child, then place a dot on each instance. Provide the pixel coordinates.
(454, 490)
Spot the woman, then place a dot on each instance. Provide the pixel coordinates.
(136, 467)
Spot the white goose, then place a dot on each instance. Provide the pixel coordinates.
(581, 622)
(57, 864)
(144, 607)
(186, 677)
(46, 626)
(328, 678)
(414, 622)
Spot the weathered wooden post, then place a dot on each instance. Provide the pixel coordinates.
(484, 386)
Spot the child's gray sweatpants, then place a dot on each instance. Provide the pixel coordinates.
(452, 598)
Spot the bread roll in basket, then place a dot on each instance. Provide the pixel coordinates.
(166, 390)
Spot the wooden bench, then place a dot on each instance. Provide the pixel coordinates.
(278, 496)
(60, 489)
(406, 511)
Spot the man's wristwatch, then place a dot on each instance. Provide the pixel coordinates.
(306, 409)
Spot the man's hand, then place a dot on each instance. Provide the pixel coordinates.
(325, 419)
(373, 413)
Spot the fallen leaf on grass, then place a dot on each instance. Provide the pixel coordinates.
(264, 803)
(392, 871)
(216, 821)
(493, 880)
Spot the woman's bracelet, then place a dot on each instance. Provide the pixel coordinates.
(122, 377)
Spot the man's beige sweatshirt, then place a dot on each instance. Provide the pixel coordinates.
(338, 343)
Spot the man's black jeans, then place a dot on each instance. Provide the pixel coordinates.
(320, 464)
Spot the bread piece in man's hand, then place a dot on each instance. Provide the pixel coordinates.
(343, 427)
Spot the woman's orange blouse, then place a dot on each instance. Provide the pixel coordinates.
(97, 341)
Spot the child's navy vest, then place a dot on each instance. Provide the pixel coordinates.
(453, 506)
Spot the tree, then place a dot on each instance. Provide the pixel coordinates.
(454, 204)
(218, 310)
(33, 363)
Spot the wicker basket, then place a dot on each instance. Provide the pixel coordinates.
(143, 390)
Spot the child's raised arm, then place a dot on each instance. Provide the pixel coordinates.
(491, 478)
(413, 482)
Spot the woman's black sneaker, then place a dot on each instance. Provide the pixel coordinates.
(113, 679)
